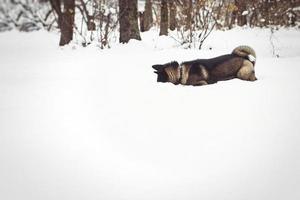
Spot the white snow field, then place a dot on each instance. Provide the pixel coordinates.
(88, 124)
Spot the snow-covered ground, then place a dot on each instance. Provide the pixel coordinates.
(83, 123)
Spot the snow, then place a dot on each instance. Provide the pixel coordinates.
(296, 9)
(245, 12)
(83, 123)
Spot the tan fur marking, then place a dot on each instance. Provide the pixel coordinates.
(247, 71)
(204, 73)
(185, 74)
(202, 83)
(173, 74)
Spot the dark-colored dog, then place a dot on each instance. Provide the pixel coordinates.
(239, 64)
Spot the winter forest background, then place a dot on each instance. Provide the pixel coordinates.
(106, 20)
(82, 116)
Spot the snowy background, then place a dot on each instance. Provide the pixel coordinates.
(84, 123)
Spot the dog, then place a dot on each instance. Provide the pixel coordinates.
(239, 64)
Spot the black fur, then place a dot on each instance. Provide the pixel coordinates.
(209, 63)
(162, 76)
(158, 68)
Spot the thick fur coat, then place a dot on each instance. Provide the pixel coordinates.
(239, 64)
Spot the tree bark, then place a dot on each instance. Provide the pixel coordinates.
(65, 19)
(164, 18)
(67, 22)
(173, 11)
(128, 18)
(265, 12)
(242, 16)
(148, 16)
(189, 10)
(142, 21)
(233, 17)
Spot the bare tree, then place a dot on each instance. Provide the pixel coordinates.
(196, 20)
(100, 19)
(172, 7)
(188, 5)
(128, 18)
(67, 22)
(148, 16)
(164, 18)
(65, 19)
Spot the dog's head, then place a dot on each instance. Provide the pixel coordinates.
(162, 75)
(168, 72)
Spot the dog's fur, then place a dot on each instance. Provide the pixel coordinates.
(239, 64)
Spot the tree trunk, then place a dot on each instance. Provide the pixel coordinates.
(66, 22)
(254, 18)
(142, 21)
(243, 16)
(233, 16)
(265, 12)
(172, 7)
(227, 21)
(189, 10)
(148, 16)
(128, 18)
(164, 18)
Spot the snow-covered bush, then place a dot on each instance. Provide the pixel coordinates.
(26, 15)
(96, 20)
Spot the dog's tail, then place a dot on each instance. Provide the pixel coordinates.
(245, 52)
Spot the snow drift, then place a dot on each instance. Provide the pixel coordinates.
(80, 123)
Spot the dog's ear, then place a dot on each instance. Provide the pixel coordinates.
(174, 64)
(158, 67)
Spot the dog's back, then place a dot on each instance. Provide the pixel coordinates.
(210, 63)
(227, 69)
(214, 69)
